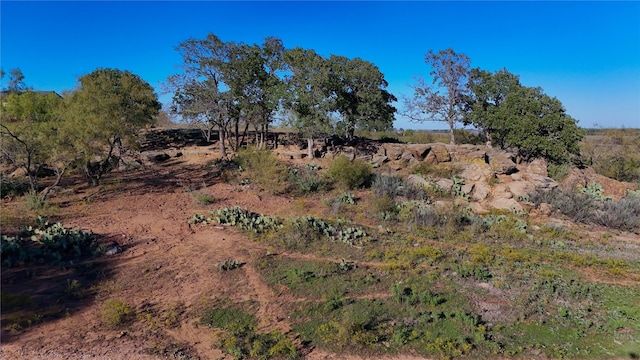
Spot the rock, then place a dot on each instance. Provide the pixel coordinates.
(521, 188)
(537, 167)
(580, 178)
(501, 162)
(379, 159)
(475, 171)
(419, 151)
(477, 208)
(480, 191)
(112, 250)
(544, 209)
(407, 156)
(441, 153)
(467, 188)
(393, 151)
(445, 184)
(539, 181)
(417, 180)
(505, 204)
(157, 156)
(501, 191)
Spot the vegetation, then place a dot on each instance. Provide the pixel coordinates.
(515, 116)
(350, 174)
(449, 72)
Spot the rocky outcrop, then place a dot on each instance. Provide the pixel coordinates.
(580, 178)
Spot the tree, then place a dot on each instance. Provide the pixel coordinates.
(449, 73)
(16, 80)
(358, 88)
(252, 75)
(198, 91)
(108, 107)
(484, 102)
(31, 129)
(308, 100)
(524, 118)
(540, 126)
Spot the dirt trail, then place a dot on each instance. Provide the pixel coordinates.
(167, 270)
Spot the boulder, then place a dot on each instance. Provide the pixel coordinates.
(502, 162)
(480, 191)
(417, 180)
(521, 188)
(537, 167)
(580, 178)
(505, 204)
(445, 184)
(441, 153)
(419, 151)
(393, 151)
(475, 171)
(539, 181)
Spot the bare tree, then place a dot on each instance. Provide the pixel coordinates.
(444, 99)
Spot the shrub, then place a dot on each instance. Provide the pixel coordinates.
(307, 180)
(50, 243)
(241, 339)
(387, 185)
(116, 313)
(350, 174)
(12, 187)
(623, 214)
(558, 171)
(265, 170)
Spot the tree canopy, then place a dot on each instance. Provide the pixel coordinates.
(109, 106)
(524, 118)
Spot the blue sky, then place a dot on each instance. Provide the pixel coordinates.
(587, 54)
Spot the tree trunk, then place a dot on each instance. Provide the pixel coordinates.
(223, 149)
(310, 148)
(487, 135)
(452, 139)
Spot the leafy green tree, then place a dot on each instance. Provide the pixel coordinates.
(450, 72)
(525, 118)
(32, 136)
(252, 74)
(360, 95)
(484, 102)
(198, 92)
(108, 107)
(308, 101)
(540, 126)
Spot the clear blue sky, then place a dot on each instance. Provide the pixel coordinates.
(587, 54)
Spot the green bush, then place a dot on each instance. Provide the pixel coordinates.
(241, 339)
(265, 170)
(350, 174)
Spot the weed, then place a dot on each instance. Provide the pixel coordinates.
(350, 174)
(229, 264)
(265, 170)
(241, 339)
(443, 171)
(116, 313)
(307, 180)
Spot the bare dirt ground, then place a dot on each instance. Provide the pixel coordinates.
(167, 271)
